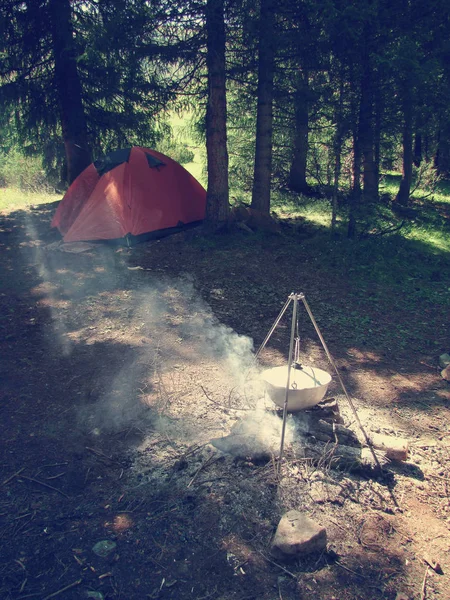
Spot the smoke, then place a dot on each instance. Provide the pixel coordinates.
(145, 350)
(47, 288)
(257, 435)
(180, 352)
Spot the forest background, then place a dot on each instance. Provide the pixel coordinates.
(331, 108)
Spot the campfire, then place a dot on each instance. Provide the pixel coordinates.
(316, 428)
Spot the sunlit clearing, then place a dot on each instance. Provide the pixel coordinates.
(13, 198)
(363, 356)
(437, 239)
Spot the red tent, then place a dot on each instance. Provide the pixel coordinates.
(127, 193)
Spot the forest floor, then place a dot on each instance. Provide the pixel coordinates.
(118, 367)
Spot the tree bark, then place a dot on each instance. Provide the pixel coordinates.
(338, 141)
(379, 111)
(297, 173)
(405, 184)
(442, 157)
(366, 132)
(417, 149)
(263, 152)
(68, 85)
(355, 193)
(217, 202)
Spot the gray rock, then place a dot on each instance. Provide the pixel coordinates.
(444, 360)
(445, 374)
(256, 436)
(241, 447)
(297, 535)
(104, 548)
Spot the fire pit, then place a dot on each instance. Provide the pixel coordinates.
(307, 386)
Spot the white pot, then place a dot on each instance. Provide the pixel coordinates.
(307, 386)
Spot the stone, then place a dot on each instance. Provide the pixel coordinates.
(76, 247)
(444, 360)
(445, 374)
(104, 548)
(240, 446)
(297, 535)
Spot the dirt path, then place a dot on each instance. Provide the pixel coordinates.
(118, 366)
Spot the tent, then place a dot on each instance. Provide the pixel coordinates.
(130, 194)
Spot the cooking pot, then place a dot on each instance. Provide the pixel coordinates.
(307, 386)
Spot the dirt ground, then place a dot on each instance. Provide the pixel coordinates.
(118, 367)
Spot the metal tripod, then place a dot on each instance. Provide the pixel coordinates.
(295, 299)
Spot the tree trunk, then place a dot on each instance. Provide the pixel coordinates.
(417, 149)
(263, 152)
(297, 173)
(217, 203)
(379, 111)
(366, 132)
(68, 85)
(355, 193)
(442, 157)
(405, 184)
(338, 140)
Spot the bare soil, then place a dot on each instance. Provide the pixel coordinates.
(118, 367)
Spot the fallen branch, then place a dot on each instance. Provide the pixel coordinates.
(101, 454)
(14, 475)
(209, 462)
(339, 564)
(64, 589)
(277, 565)
(221, 406)
(50, 487)
(423, 594)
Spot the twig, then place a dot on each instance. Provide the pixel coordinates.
(192, 450)
(102, 455)
(279, 591)
(336, 562)
(277, 565)
(222, 406)
(14, 475)
(56, 476)
(423, 594)
(50, 487)
(64, 589)
(104, 575)
(210, 461)
(211, 480)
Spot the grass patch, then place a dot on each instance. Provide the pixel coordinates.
(413, 262)
(12, 199)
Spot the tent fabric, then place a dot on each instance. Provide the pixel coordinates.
(129, 192)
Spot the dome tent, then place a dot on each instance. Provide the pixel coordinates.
(130, 195)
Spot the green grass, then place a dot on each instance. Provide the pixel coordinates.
(183, 133)
(12, 199)
(413, 262)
